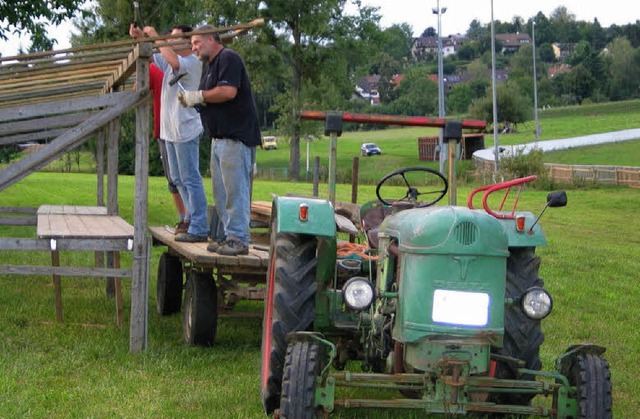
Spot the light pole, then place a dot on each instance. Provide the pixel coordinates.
(439, 11)
(496, 148)
(535, 82)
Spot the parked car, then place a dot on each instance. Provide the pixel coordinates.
(269, 143)
(368, 149)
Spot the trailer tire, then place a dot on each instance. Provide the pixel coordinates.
(522, 335)
(302, 365)
(200, 314)
(591, 376)
(289, 306)
(169, 285)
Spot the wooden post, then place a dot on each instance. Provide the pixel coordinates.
(57, 286)
(99, 256)
(141, 243)
(113, 137)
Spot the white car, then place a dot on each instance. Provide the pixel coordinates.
(369, 149)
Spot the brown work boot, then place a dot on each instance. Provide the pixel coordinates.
(215, 244)
(181, 227)
(233, 247)
(190, 238)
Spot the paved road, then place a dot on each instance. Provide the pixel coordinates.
(552, 145)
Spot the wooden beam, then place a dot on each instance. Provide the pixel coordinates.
(68, 140)
(64, 271)
(61, 106)
(45, 124)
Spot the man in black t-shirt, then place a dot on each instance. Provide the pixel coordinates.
(230, 118)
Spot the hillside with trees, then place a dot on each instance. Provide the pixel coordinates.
(311, 55)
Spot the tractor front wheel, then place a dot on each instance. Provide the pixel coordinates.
(302, 365)
(522, 335)
(289, 305)
(591, 376)
(200, 314)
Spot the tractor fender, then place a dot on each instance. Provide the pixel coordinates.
(565, 361)
(320, 219)
(530, 237)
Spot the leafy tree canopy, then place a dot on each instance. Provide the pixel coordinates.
(31, 17)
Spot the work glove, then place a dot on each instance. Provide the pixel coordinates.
(189, 99)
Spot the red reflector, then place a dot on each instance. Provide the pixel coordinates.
(520, 223)
(304, 212)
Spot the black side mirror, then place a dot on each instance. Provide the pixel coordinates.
(557, 199)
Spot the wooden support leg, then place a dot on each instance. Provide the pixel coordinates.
(110, 285)
(57, 286)
(118, 289)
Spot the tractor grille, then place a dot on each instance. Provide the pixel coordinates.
(466, 233)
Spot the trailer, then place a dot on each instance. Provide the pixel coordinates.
(212, 283)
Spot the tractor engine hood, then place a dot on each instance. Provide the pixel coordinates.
(447, 230)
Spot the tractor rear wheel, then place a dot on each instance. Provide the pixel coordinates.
(200, 314)
(169, 286)
(289, 306)
(522, 335)
(302, 365)
(592, 378)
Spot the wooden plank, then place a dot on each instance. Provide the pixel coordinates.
(61, 106)
(197, 253)
(46, 123)
(71, 244)
(18, 210)
(18, 221)
(31, 136)
(64, 271)
(71, 210)
(83, 226)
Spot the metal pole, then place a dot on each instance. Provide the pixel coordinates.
(496, 148)
(535, 82)
(441, 112)
(333, 145)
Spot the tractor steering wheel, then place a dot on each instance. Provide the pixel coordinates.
(413, 193)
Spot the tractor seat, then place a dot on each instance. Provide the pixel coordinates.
(373, 213)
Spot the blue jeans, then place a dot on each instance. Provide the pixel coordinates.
(231, 164)
(184, 168)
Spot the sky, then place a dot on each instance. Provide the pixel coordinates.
(459, 14)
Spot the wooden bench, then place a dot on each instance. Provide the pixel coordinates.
(84, 228)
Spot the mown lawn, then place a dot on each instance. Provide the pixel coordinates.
(82, 368)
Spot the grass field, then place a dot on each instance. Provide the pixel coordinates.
(400, 144)
(82, 368)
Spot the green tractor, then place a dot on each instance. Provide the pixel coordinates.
(443, 312)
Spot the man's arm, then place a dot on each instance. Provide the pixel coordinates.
(167, 51)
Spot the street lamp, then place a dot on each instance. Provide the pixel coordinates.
(439, 11)
(496, 148)
(535, 82)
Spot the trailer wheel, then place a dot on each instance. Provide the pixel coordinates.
(522, 335)
(169, 286)
(301, 367)
(200, 314)
(289, 306)
(592, 378)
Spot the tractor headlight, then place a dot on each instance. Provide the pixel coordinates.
(358, 293)
(536, 303)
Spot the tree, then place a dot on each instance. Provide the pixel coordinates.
(513, 107)
(622, 69)
(308, 34)
(417, 95)
(32, 17)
